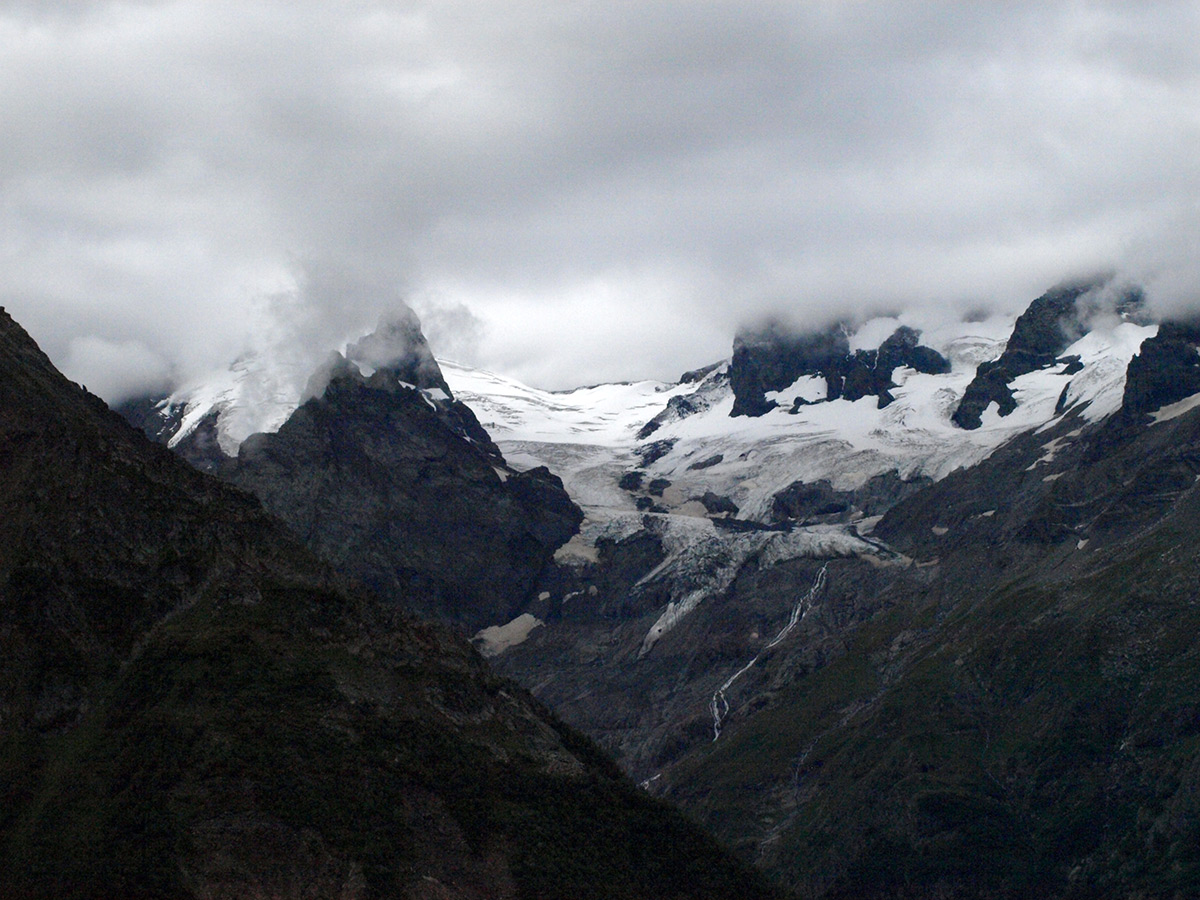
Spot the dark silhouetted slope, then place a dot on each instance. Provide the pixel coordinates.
(372, 476)
(193, 705)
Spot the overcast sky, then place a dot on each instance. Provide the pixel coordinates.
(572, 192)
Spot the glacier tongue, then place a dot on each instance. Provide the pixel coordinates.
(702, 562)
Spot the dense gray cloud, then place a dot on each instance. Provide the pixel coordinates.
(574, 191)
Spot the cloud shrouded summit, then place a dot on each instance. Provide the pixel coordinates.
(592, 191)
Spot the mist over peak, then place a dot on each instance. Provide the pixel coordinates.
(583, 195)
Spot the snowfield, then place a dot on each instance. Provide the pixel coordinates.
(589, 436)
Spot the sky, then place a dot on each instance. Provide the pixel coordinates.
(574, 192)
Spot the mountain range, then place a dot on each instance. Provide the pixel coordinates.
(894, 608)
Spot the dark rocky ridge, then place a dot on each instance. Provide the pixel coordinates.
(397, 346)
(192, 705)
(772, 357)
(1051, 323)
(390, 485)
(394, 479)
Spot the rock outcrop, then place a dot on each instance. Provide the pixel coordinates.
(773, 357)
(409, 494)
(819, 502)
(382, 471)
(1051, 323)
(1166, 370)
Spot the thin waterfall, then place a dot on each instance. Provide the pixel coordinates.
(719, 705)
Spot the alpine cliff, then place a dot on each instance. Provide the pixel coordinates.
(375, 480)
(194, 705)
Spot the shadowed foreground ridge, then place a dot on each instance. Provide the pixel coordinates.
(192, 705)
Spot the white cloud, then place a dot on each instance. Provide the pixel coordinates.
(117, 370)
(599, 188)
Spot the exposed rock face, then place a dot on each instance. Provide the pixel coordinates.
(716, 504)
(390, 476)
(1165, 371)
(773, 358)
(1052, 323)
(146, 415)
(390, 485)
(902, 348)
(399, 345)
(192, 705)
(713, 383)
(161, 422)
(1041, 333)
(819, 502)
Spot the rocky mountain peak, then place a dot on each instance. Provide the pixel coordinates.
(1048, 326)
(207, 420)
(380, 469)
(772, 358)
(389, 483)
(398, 345)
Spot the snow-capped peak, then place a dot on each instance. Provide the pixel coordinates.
(260, 390)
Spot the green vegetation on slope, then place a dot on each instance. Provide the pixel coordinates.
(1033, 741)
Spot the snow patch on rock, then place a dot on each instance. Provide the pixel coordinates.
(1175, 410)
(495, 639)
